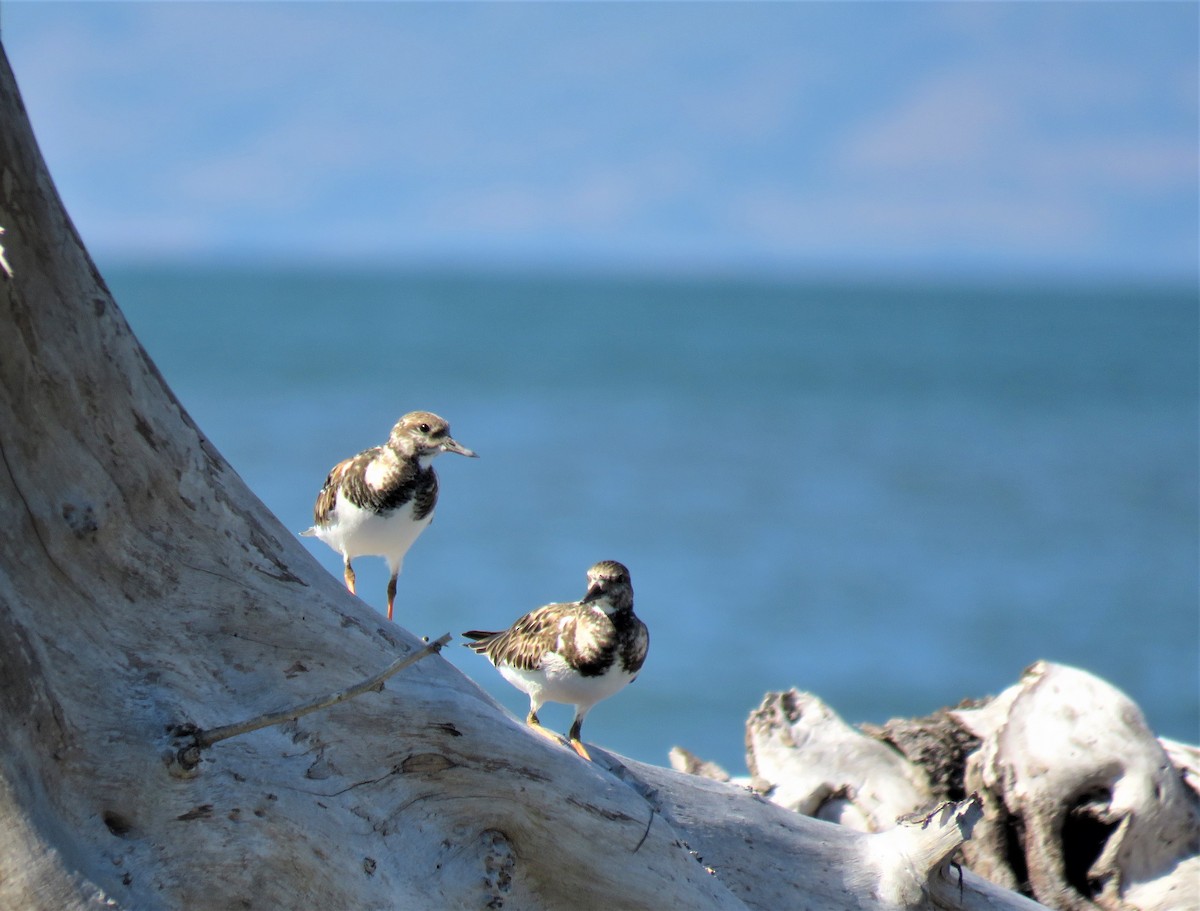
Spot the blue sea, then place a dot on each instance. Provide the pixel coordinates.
(891, 494)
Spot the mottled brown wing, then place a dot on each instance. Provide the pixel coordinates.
(524, 643)
(425, 497)
(327, 498)
(633, 652)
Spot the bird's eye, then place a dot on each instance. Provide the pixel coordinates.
(424, 428)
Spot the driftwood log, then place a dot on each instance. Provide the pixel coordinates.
(148, 600)
(1083, 808)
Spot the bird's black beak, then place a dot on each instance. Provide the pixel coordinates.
(595, 590)
(449, 445)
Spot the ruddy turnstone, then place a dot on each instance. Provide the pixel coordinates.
(577, 653)
(377, 502)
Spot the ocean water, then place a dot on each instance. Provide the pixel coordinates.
(894, 496)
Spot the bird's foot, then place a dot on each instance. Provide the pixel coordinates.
(578, 747)
(545, 732)
(556, 737)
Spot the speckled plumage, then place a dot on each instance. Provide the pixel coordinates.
(577, 653)
(400, 482)
(378, 502)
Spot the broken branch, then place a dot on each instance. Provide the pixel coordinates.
(187, 756)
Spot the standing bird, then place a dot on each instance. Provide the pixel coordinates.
(377, 502)
(577, 653)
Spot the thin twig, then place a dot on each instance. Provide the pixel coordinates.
(213, 735)
(189, 755)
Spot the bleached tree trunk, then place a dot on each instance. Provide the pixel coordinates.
(1082, 806)
(144, 587)
(1106, 818)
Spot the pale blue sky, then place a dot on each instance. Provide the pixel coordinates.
(1009, 138)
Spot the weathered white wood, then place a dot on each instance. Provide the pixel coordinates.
(1108, 820)
(682, 760)
(775, 858)
(1186, 758)
(207, 737)
(812, 762)
(1082, 805)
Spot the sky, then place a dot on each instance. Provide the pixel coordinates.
(945, 138)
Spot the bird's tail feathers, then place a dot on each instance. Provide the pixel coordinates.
(479, 639)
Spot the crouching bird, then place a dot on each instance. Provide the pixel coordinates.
(378, 502)
(577, 653)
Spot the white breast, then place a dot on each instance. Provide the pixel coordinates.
(556, 681)
(358, 532)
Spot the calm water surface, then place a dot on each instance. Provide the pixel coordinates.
(893, 496)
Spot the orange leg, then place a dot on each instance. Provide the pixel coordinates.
(576, 743)
(532, 721)
(578, 747)
(349, 574)
(391, 595)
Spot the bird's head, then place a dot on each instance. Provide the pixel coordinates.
(425, 435)
(609, 586)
